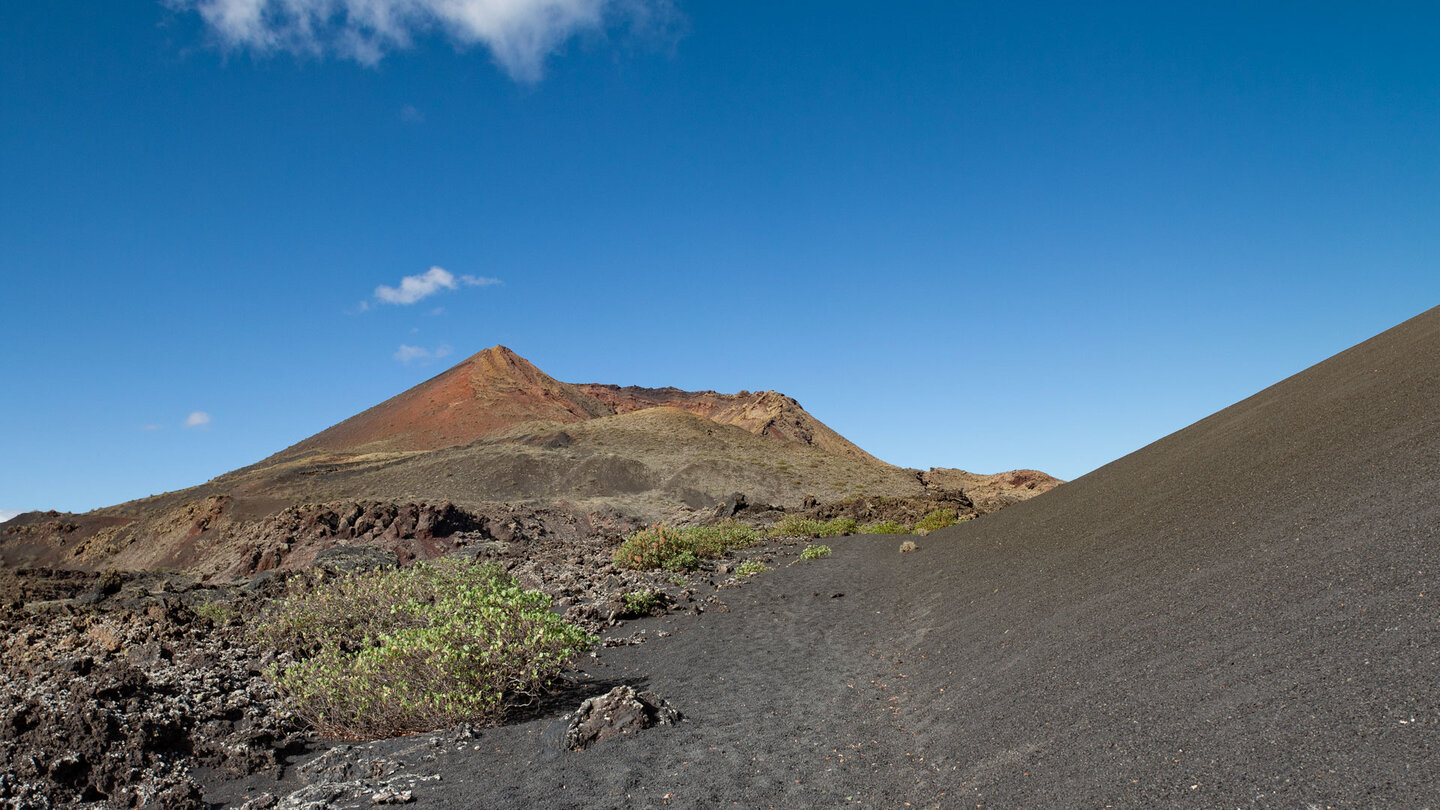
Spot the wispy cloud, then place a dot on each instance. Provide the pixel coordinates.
(197, 419)
(408, 354)
(520, 34)
(6, 514)
(418, 288)
(151, 427)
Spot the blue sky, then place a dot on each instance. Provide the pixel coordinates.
(975, 235)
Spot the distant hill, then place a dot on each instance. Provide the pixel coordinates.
(506, 444)
(497, 389)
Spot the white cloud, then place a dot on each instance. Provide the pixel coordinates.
(6, 514)
(197, 419)
(520, 34)
(479, 281)
(418, 288)
(414, 288)
(408, 354)
(151, 427)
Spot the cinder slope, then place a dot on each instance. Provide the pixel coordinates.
(1243, 614)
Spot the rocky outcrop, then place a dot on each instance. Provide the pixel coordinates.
(114, 692)
(877, 508)
(622, 710)
(990, 493)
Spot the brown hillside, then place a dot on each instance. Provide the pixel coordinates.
(767, 413)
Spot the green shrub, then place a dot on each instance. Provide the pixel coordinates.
(794, 526)
(653, 548)
(721, 538)
(799, 526)
(674, 549)
(640, 603)
(219, 613)
(815, 552)
(686, 560)
(938, 519)
(393, 652)
(750, 568)
(885, 527)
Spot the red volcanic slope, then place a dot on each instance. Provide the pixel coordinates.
(489, 391)
(497, 388)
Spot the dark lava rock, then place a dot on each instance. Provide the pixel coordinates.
(872, 508)
(352, 559)
(112, 706)
(622, 710)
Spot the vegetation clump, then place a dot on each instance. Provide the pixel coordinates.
(750, 568)
(815, 552)
(799, 526)
(885, 527)
(399, 651)
(908, 546)
(219, 613)
(938, 519)
(641, 603)
(681, 549)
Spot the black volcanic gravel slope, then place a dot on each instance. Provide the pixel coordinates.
(1243, 614)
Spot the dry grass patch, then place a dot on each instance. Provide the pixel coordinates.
(681, 549)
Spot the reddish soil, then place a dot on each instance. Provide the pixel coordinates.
(491, 390)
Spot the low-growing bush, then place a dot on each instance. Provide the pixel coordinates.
(908, 546)
(640, 603)
(406, 650)
(799, 526)
(721, 538)
(219, 613)
(673, 549)
(814, 552)
(885, 527)
(750, 568)
(938, 519)
(656, 547)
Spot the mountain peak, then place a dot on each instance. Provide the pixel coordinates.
(497, 353)
(496, 388)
